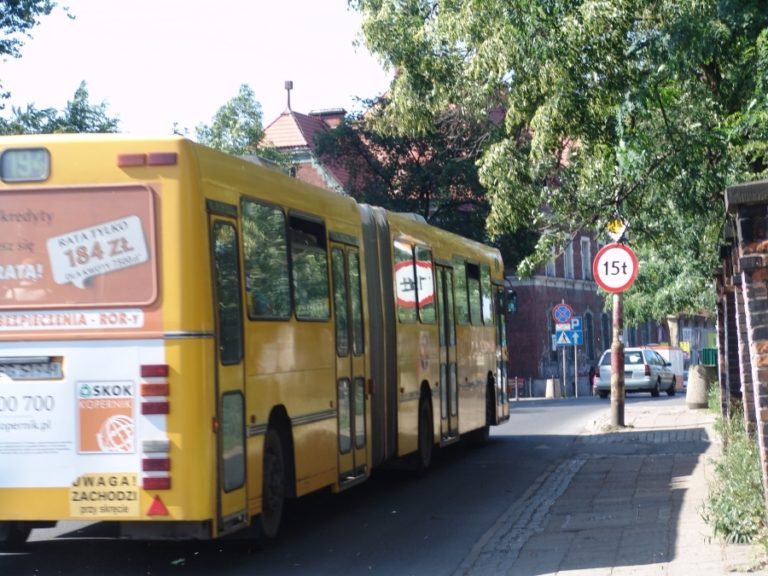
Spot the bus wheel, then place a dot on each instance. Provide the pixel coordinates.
(426, 435)
(481, 436)
(13, 535)
(273, 484)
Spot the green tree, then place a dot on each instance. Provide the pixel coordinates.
(237, 128)
(17, 18)
(433, 174)
(79, 115)
(643, 108)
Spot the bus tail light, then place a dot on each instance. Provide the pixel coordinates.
(155, 394)
(155, 407)
(156, 468)
(154, 371)
(155, 391)
(156, 482)
(156, 464)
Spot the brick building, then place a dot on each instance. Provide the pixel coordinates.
(533, 353)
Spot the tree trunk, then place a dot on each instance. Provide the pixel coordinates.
(674, 332)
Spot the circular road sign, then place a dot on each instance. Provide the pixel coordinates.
(562, 313)
(615, 267)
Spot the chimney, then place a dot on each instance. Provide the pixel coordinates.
(288, 88)
(332, 117)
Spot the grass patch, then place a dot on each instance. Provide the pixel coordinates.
(735, 508)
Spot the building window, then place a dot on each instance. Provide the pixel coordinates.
(552, 334)
(607, 336)
(568, 255)
(589, 335)
(551, 268)
(586, 258)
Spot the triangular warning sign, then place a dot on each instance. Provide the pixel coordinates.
(157, 508)
(563, 338)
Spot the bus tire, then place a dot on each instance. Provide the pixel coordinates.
(426, 440)
(13, 535)
(481, 436)
(273, 484)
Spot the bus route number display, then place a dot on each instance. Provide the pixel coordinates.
(615, 267)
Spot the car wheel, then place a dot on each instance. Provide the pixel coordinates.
(655, 390)
(671, 390)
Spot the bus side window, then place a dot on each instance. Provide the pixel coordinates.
(265, 252)
(405, 282)
(473, 288)
(486, 296)
(310, 269)
(462, 302)
(425, 284)
(226, 261)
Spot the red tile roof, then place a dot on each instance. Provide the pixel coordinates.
(295, 131)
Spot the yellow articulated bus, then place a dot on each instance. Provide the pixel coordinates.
(188, 338)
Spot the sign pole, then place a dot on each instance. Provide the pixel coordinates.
(617, 364)
(615, 269)
(563, 387)
(575, 370)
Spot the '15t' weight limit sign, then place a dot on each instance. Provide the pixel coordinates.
(615, 267)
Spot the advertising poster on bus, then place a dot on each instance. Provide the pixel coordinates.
(67, 254)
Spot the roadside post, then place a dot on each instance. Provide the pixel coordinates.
(578, 339)
(562, 314)
(615, 269)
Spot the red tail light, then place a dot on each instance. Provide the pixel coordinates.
(647, 370)
(156, 464)
(156, 483)
(149, 408)
(154, 370)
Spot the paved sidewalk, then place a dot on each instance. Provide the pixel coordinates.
(627, 504)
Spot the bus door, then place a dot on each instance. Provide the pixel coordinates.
(502, 355)
(449, 393)
(230, 397)
(352, 401)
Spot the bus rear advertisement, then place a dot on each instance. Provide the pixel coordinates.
(188, 339)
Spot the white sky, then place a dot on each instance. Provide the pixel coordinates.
(156, 62)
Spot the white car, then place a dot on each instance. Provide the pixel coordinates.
(645, 370)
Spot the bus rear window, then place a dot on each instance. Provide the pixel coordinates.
(77, 247)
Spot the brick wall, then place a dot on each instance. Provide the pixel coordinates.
(745, 269)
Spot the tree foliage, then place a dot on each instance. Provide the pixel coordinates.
(17, 18)
(647, 109)
(433, 174)
(237, 128)
(79, 115)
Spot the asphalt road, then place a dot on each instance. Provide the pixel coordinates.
(396, 523)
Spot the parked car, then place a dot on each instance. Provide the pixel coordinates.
(644, 371)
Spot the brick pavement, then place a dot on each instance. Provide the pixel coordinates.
(627, 504)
